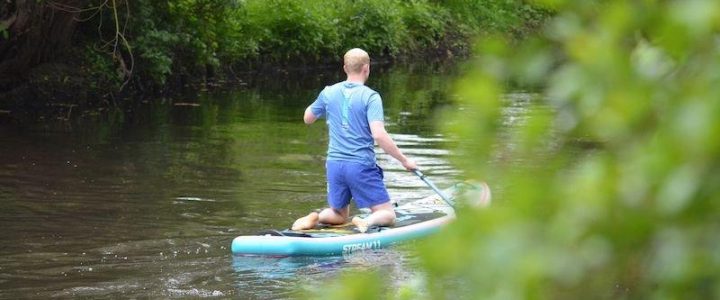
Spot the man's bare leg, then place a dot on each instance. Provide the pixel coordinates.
(306, 222)
(382, 215)
(334, 216)
(327, 216)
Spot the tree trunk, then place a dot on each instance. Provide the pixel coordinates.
(37, 32)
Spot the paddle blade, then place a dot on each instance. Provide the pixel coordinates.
(478, 195)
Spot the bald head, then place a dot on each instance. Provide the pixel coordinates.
(355, 59)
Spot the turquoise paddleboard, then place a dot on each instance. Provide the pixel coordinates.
(414, 220)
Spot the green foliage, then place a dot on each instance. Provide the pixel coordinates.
(187, 36)
(374, 25)
(102, 69)
(155, 51)
(426, 24)
(195, 37)
(153, 41)
(4, 32)
(206, 30)
(504, 16)
(635, 215)
(293, 29)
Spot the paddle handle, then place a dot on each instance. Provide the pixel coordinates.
(432, 186)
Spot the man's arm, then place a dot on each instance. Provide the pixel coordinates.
(385, 142)
(309, 117)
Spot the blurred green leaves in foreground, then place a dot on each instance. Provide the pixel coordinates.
(619, 190)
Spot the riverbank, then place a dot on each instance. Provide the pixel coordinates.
(122, 53)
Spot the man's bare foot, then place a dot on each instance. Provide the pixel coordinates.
(360, 223)
(306, 222)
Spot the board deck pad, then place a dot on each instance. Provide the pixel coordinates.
(402, 219)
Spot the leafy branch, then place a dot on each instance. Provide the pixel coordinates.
(118, 46)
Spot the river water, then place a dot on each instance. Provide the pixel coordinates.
(146, 204)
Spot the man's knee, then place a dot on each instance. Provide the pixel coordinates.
(382, 214)
(333, 216)
(387, 208)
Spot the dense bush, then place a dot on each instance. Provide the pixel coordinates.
(426, 24)
(293, 29)
(374, 25)
(197, 37)
(514, 18)
(188, 37)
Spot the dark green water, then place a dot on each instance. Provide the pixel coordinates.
(146, 206)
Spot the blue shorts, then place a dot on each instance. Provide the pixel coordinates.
(357, 181)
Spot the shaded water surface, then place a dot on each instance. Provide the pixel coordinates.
(147, 205)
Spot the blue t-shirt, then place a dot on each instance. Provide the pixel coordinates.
(349, 108)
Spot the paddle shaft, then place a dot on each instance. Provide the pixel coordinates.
(432, 186)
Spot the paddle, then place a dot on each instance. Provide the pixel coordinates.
(433, 187)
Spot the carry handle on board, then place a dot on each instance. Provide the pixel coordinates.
(432, 186)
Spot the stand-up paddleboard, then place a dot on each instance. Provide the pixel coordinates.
(414, 220)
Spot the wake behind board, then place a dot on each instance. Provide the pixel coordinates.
(414, 220)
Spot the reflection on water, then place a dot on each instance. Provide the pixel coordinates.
(147, 205)
(280, 276)
(276, 276)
